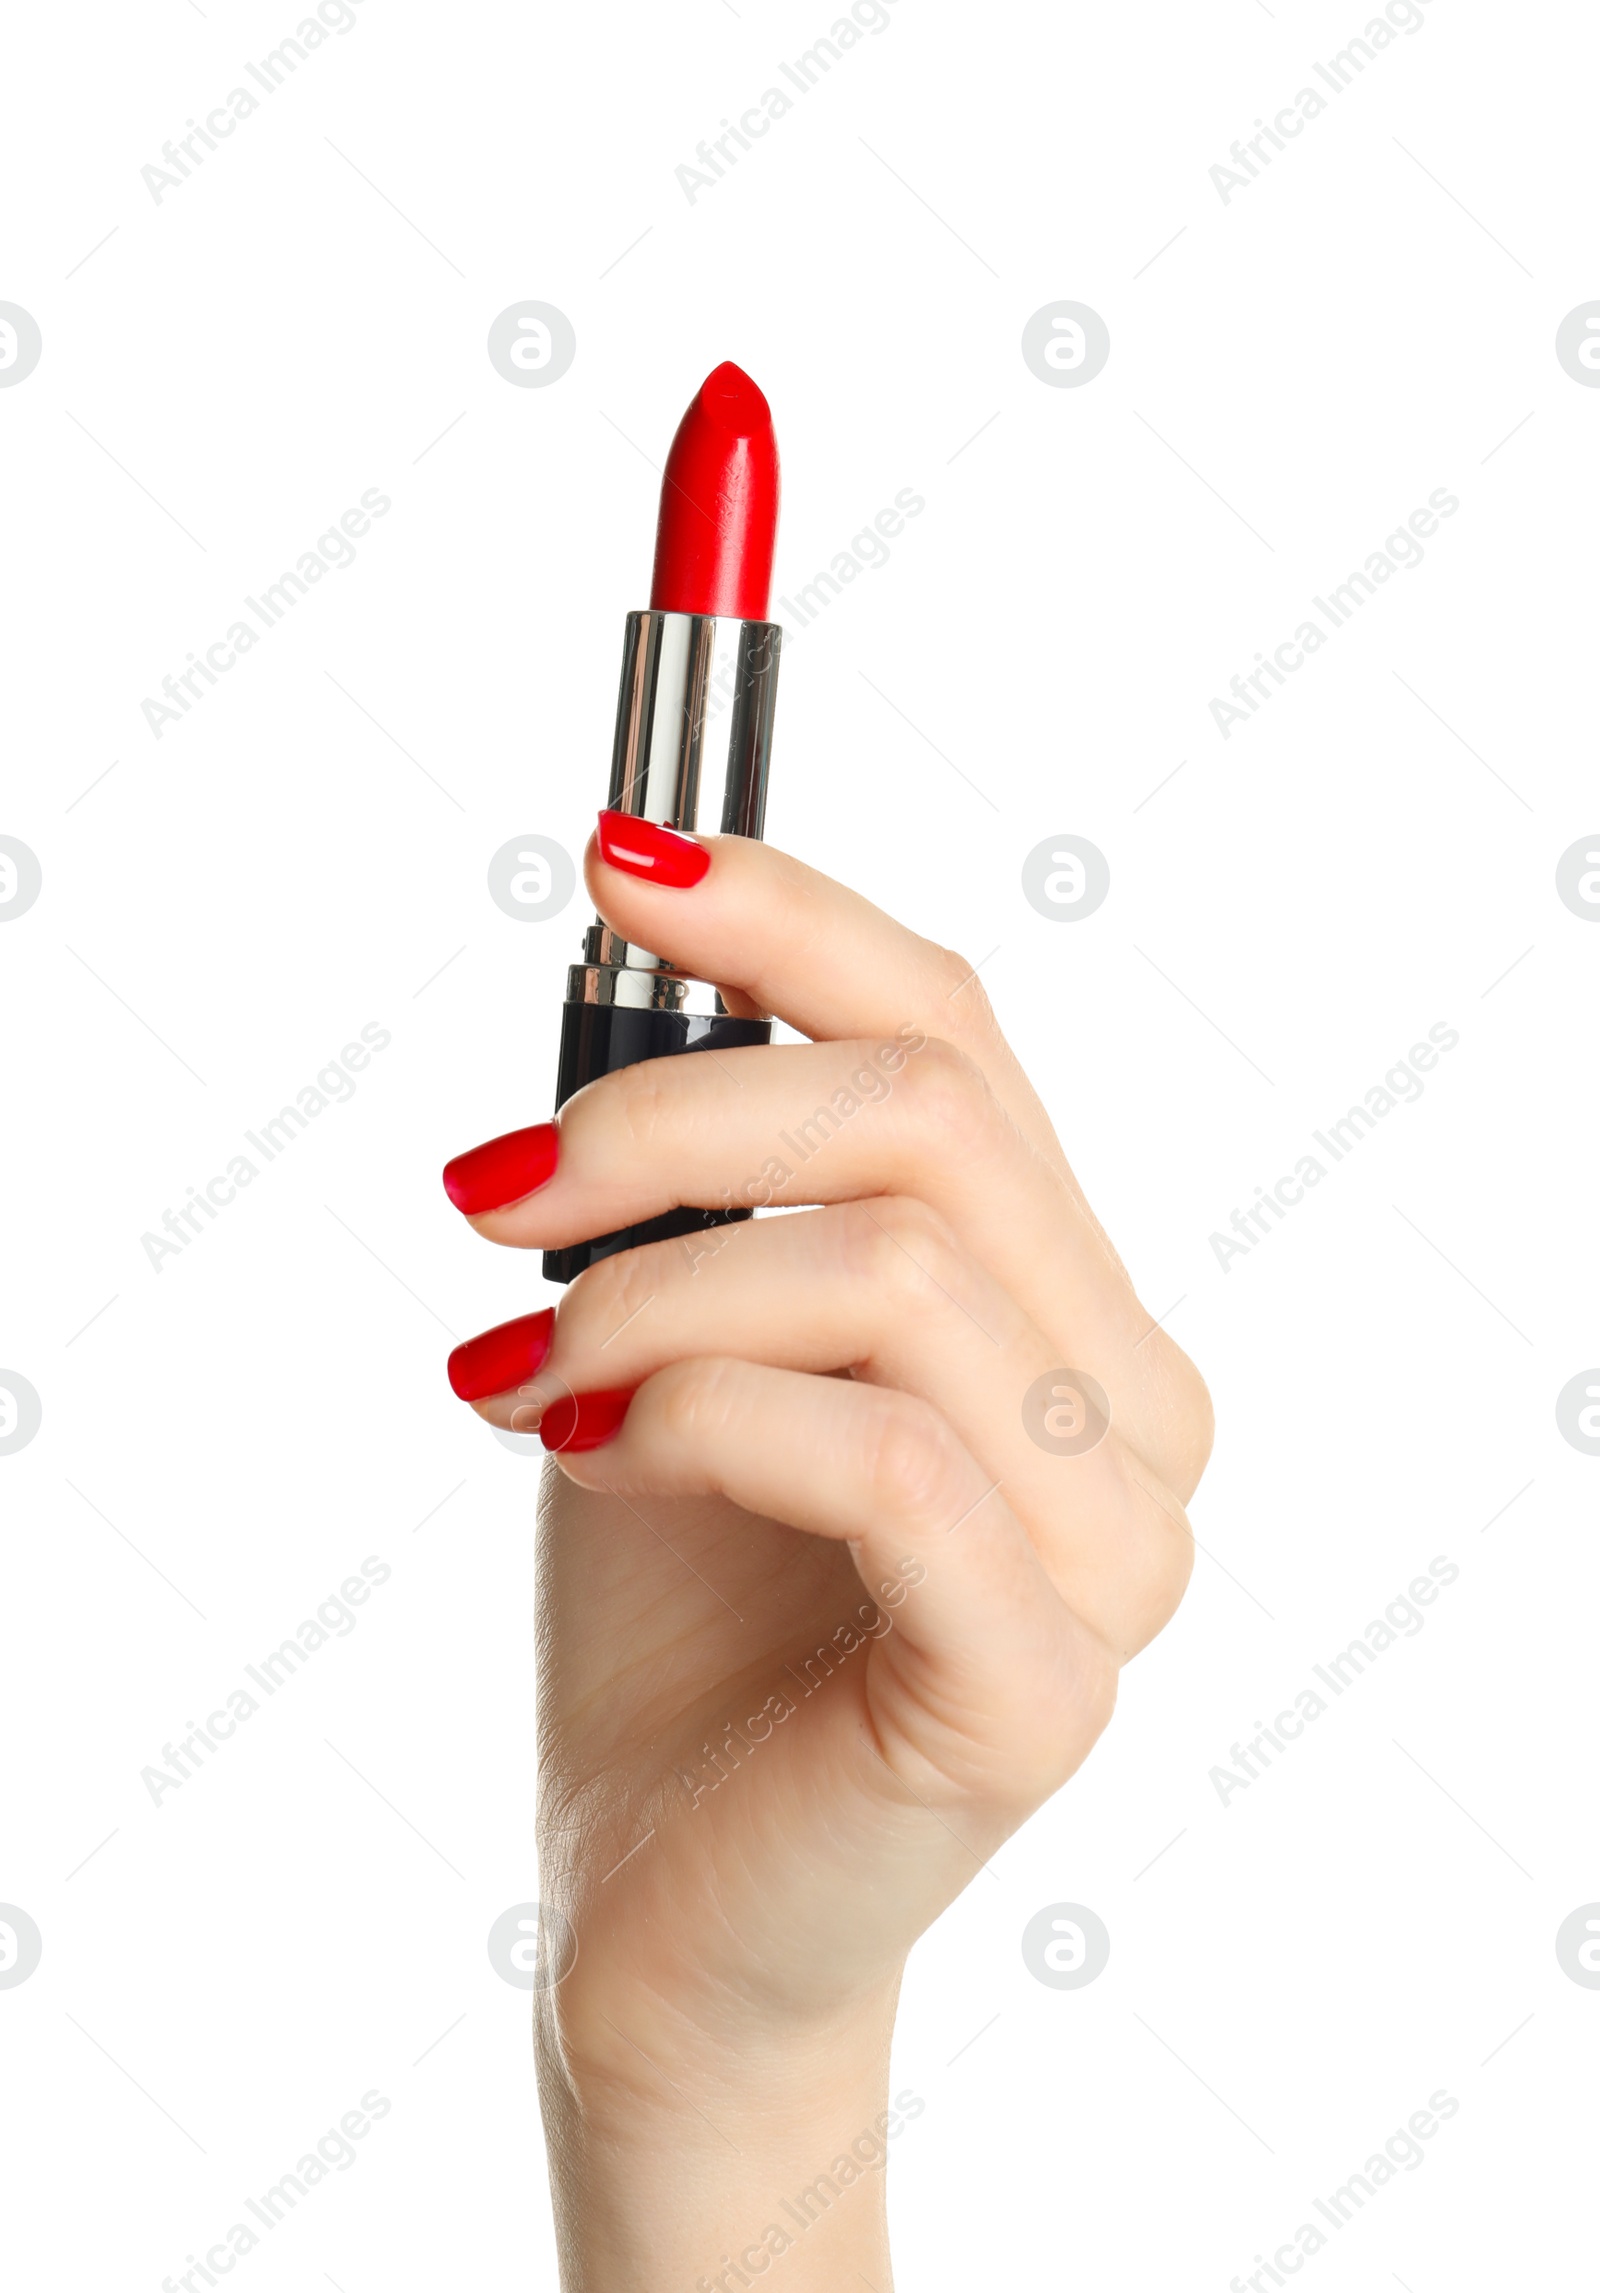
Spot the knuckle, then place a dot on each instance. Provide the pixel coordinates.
(953, 972)
(1200, 1418)
(611, 1292)
(895, 1246)
(1186, 1412)
(1079, 1713)
(905, 1219)
(1166, 1558)
(1073, 1712)
(1176, 1564)
(914, 1464)
(1101, 1681)
(951, 1100)
(647, 1101)
(963, 1002)
(694, 1401)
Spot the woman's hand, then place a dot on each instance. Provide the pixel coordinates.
(839, 1596)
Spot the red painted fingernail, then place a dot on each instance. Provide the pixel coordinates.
(660, 855)
(585, 1420)
(499, 1359)
(502, 1170)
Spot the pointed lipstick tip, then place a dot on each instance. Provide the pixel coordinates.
(728, 392)
(719, 504)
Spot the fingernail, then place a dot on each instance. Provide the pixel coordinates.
(585, 1420)
(502, 1170)
(498, 1359)
(660, 855)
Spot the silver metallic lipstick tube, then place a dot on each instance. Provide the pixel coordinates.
(695, 707)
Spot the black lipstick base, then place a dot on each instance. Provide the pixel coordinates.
(598, 1039)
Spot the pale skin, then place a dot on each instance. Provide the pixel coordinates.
(826, 1451)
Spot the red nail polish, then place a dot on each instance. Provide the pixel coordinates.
(498, 1360)
(585, 1420)
(502, 1170)
(659, 855)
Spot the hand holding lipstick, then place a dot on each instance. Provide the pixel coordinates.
(835, 1577)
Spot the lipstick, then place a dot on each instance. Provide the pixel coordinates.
(719, 504)
(695, 704)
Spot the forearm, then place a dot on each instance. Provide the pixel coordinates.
(711, 2176)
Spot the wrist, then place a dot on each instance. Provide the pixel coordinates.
(682, 2163)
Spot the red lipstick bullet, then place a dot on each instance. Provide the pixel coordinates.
(719, 504)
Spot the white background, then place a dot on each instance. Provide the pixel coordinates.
(1371, 854)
